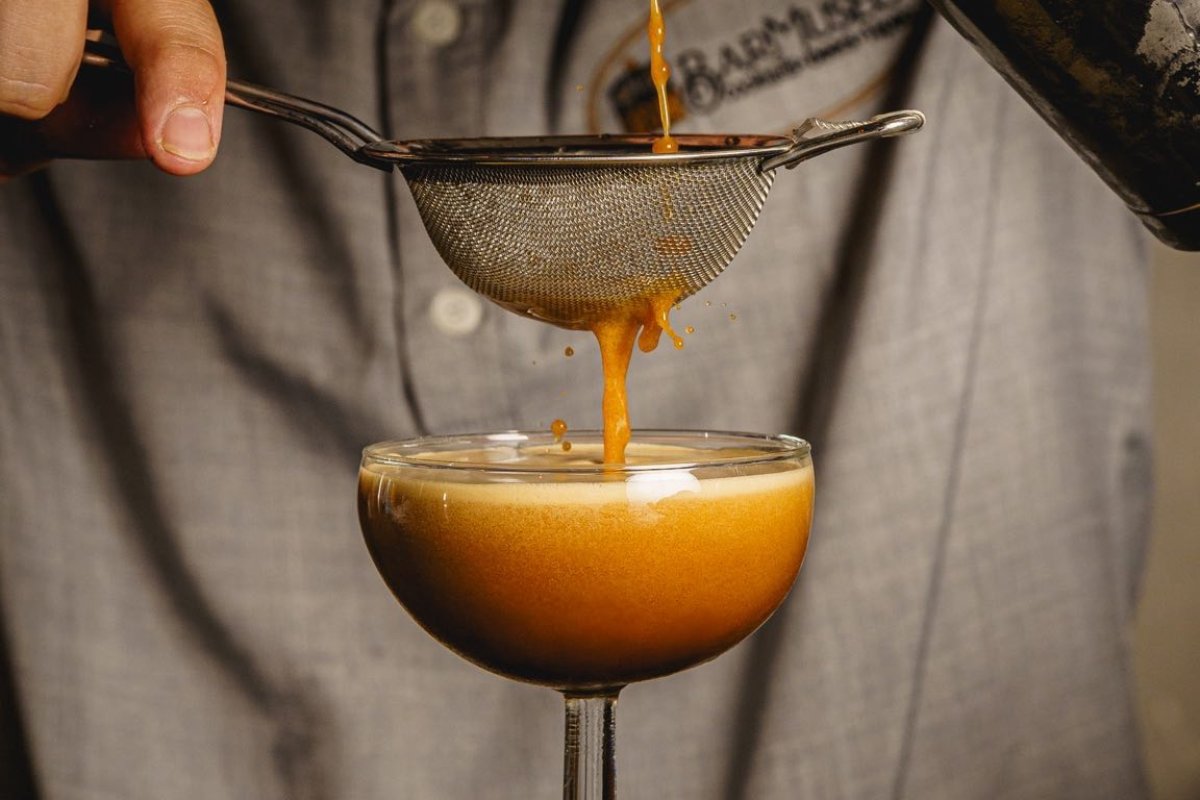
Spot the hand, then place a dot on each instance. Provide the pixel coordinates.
(173, 114)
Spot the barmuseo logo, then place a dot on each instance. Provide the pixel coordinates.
(783, 46)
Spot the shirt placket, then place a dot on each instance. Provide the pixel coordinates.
(436, 62)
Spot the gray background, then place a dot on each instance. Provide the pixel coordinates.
(1167, 634)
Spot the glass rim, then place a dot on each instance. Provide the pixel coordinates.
(783, 447)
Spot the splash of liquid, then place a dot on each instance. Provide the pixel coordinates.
(657, 323)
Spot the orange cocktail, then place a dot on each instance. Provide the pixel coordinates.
(547, 567)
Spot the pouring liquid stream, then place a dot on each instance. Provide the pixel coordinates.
(616, 334)
(660, 73)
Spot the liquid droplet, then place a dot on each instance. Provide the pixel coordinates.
(570, 351)
(566, 446)
(689, 329)
(733, 316)
(559, 429)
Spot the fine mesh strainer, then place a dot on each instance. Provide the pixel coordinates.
(569, 229)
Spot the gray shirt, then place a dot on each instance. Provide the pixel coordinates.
(188, 369)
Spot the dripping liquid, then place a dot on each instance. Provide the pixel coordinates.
(616, 336)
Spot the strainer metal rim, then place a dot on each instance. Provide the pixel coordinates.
(362, 143)
(604, 150)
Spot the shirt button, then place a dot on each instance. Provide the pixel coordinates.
(456, 312)
(437, 22)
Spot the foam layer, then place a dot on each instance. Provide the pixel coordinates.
(589, 583)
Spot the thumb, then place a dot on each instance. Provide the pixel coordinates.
(174, 48)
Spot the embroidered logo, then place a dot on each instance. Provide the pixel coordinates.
(780, 46)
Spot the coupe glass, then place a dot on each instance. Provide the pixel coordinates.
(530, 558)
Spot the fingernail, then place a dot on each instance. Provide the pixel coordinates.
(187, 134)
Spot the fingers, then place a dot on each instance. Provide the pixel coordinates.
(97, 121)
(41, 43)
(174, 48)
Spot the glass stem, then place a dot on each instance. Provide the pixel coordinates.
(589, 767)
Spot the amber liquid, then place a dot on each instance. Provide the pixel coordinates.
(617, 334)
(660, 73)
(591, 584)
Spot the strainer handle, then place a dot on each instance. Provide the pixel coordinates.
(817, 136)
(345, 131)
